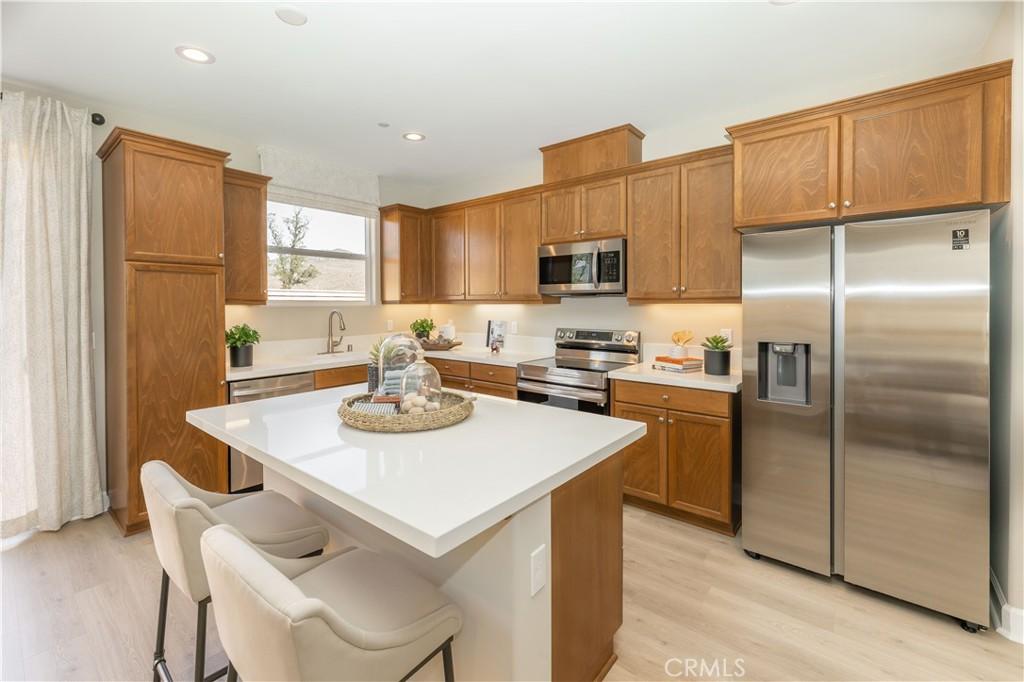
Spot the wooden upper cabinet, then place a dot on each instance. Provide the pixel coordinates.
(653, 245)
(173, 195)
(700, 465)
(448, 231)
(405, 255)
(918, 152)
(175, 330)
(644, 467)
(520, 237)
(601, 151)
(787, 174)
(710, 246)
(560, 215)
(927, 146)
(245, 237)
(603, 209)
(483, 251)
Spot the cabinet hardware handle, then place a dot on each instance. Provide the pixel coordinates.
(671, 421)
(681, 289)
(403, 293)
(661, 420)
(220, 255)
(831, 204)
(490, 374)
(675, 288)
(664, 397)
(222, 382)
(847, 204)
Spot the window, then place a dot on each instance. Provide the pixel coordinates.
(315, 253)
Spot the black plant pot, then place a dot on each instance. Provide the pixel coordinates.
(241, 356)
(422, 336)
(716, 362)
(372, 377)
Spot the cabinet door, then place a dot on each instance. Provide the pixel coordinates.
(175, 352)
(604, 209)
(245, 237)
(448, 231)
(710, 267)
(645, 464)
(520, 237)
(700, 465)
(920, 152)
(483, 252)
(787, 174)
(498, 390)
(560, 215)
(412, 259)
(174, 206)
(652, 264)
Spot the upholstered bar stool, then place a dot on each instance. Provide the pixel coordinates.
(351, 615)
(179, 512)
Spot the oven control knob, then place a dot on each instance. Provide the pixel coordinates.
(629, 337)
(570, 334)
(561, 334)
(618, 337)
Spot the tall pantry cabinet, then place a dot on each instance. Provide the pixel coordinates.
(163, 225)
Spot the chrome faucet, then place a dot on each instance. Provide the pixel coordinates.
(332, 344)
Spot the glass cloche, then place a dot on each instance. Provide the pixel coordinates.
(397, 353)
(421, 387)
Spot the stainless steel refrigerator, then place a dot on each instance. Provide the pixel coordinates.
(866, 405)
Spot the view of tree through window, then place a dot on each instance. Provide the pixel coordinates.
(315, 253)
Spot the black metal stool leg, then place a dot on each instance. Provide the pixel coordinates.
(200, 662)
(161, 629)
(232, 673)
(449, 667)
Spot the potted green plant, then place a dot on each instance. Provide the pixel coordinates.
(422, 327)
(373, 369)
(717, 352)
(239, 340)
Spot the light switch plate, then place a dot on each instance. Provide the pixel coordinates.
(727, 333)
(391, 325)
(513, 327)
(538, 569)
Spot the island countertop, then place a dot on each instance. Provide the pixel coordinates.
(434, 490)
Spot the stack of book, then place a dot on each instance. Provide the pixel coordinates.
(671, 364)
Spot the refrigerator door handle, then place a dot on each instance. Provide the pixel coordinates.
(838, 395)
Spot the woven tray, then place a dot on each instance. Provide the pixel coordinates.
(435, 345)
(454, 408)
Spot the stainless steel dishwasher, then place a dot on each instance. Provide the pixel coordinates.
(245, 473)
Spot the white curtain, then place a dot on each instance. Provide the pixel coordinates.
(49, 464)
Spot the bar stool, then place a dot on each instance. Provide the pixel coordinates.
(179, 512)
(350, 615)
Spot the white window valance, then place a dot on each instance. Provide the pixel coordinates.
(314, 181)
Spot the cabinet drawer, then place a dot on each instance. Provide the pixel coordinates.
(453, 368)
(500, 390)
(498, 374)
(339, 376)
(673, 398)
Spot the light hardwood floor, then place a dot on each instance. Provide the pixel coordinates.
(81, 605)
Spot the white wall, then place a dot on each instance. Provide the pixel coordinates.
(1007, 349)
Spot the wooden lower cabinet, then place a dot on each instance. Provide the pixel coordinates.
(478, 377)
(339, 376)
(687, 464)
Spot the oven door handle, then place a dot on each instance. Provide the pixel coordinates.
(597, 397)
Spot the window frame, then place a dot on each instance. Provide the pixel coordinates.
(326, 202)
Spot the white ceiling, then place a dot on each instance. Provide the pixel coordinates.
(487, 84)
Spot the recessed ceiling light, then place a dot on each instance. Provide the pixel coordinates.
(290, 15)
(414, 137)
(194, 54)
(383, 124)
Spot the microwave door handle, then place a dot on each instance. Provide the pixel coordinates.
(594, 266)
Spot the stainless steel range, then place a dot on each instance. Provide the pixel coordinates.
(577, 377)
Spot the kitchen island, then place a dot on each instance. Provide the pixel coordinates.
(515, 513)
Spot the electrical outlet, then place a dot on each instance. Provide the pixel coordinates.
(391, 325)
(513, 327)
(538, 569)
(727, 333)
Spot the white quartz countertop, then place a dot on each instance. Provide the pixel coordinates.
(310, 362)
(644, 373)
(433, 490)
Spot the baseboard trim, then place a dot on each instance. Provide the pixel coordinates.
(1008, 619)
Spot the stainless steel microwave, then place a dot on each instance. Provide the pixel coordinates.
(583, 268)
